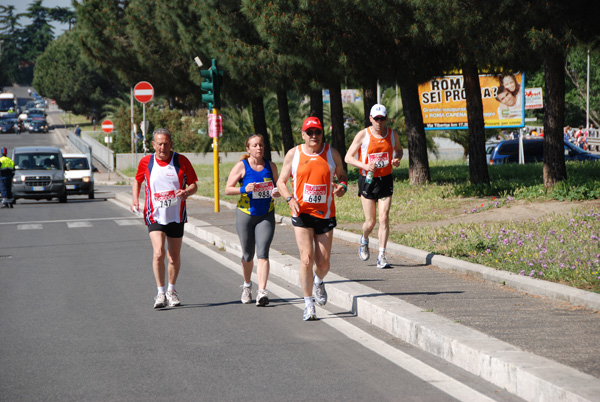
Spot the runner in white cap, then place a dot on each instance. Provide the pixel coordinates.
(379, 150)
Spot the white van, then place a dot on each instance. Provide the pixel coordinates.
(79, 175)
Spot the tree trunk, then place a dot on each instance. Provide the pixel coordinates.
(370, 98)
(338, 137)
(418, 163)
(555, 169)
(478, 169)
(316, 104)
(284, 121)
(260, 123)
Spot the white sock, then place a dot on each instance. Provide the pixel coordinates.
(247, 285)
(308, 301)
(381, 251)
(317, 280)
(171, 287)
(161, 289)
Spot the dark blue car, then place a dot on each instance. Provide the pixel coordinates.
(533, 150)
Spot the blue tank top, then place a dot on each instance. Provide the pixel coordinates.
(258, 202)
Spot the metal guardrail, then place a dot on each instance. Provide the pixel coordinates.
(101, 153)
(593, 141)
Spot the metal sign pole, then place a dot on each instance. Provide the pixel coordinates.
(144, 126)
(132, 128)
(521, 151)
(216, 162)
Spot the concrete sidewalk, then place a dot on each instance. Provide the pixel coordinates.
(539, 348)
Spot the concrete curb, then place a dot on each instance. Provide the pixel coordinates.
(524, 374)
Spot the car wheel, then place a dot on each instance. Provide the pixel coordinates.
(63, 198)
(91, 195)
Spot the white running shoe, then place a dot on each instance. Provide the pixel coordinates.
(261, 298)
(160, 301)
(320, 294)
(246, 294)
(382, 262)
(363, 250)
(310, 313)
(173, 298)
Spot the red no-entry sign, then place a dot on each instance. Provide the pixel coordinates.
(143, 92)
(107, 126)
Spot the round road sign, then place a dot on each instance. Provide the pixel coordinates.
(143, 92)
(107, 126)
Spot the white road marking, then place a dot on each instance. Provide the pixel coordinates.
(71, 220)
(29, 226)
(79, 224)
(430, 375)
(128, 222)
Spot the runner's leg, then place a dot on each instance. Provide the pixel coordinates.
(304, 239)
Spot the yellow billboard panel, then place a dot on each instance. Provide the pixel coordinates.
(444, 105)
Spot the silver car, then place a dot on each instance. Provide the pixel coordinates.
(39, 173)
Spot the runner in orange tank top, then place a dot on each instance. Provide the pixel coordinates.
(379, 150)
(313, 166)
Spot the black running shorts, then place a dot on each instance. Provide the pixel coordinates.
(380, 187)
(173, 229)
(319, 225)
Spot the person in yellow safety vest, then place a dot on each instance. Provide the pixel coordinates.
(7, 168)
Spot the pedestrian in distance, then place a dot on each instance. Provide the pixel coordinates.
(313, 166)
(78, 131)
(379, 150)
(255, 214)
(7, 171)
(170, 180)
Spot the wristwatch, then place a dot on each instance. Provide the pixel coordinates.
(288, 199)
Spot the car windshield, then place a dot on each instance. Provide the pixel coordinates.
(37, 161)
(77, 163)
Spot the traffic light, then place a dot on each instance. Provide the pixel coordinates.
(213, 79)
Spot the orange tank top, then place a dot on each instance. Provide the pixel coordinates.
(378, 150)
(313, 178)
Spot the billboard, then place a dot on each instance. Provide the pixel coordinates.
(534, 98)
(444, 105)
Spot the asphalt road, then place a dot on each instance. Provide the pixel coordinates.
(78, 324)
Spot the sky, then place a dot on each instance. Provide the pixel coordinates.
(21, 7)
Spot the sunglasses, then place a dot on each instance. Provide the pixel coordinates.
(313, 132)
(379, 118)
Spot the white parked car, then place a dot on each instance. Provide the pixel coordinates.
(79, 175)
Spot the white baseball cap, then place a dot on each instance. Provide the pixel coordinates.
(378, 110)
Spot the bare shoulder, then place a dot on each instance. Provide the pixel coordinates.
(360, 135)
(290, 154)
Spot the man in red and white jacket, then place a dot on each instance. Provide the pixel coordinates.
(170, 180)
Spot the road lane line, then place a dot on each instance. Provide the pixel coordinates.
(70, 220)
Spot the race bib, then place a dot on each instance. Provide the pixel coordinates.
(315, 193)
(380, 159)
(262, 190)
(165, 199)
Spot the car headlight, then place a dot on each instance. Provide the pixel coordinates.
(86, 179)
(59, 176)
